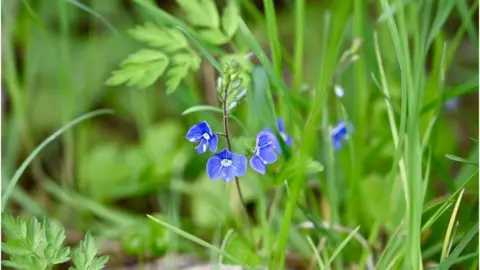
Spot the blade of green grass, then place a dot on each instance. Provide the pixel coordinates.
(317, 255)
(93, 13)
(448, 234)
(11, 184)
(197, 240)
(454, 256)
(340, 247)
(299, 40)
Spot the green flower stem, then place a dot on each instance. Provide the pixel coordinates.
(229, 145)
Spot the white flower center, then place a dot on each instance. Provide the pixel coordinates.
(284, 136)
(226, 162)
(206, 136)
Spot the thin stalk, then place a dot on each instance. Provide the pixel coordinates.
(229, 145)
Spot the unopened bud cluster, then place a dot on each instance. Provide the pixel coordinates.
(229, 86)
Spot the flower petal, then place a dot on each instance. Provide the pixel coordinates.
(196, 132)
(266, 138)
(337, 144)
(267, 154)
(213, 142)
(239, 164)
(228, 173)
(289, 141)
(257, 164)
(339, 131)
(224, 154)
(280, 125)
(202, 147)
(214, 168)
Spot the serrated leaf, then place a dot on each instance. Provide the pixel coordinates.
(16, 247)
(99, 263)
(11, 227)
(84, 254)
(21, 264)
(230, 19)
(214, 36)
(181, 65)
(175, 76)
(140, 69)
(201, 13)
(169, 39)
(61, 256)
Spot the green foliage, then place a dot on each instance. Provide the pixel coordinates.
(35, 245)
(172, 56)
(83, 256)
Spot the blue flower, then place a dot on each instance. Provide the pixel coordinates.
(202, 133)
(226, 165)
(340, 134)
(264, 151)
(281, 129)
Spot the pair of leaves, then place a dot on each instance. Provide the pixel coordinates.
(35, 245)
(172, 55)
(204, 14)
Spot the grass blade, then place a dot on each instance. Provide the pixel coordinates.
(197, 240)
(450, 227)
(11, 185)
(341, 246)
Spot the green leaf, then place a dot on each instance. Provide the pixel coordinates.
(182, 63)
(167, 38)
(290, 169)
(140, 69)
(83, 256)
(230, 19)
(461, 160)
(202, 13)
(35, 232)
(214, 36)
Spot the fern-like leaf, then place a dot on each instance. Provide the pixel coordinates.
(167, 38)
(140, 69)
(83, 256)
(230, 19)
(181, 64)
(201, 13)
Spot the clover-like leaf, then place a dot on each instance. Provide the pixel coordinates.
(230, 19)
(202, 13)
(167, 38)
(140, 69)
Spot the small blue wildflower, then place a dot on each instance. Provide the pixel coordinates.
(340, 134)
(226, 165)
(264, 151)
(281, 129)
(202, 133)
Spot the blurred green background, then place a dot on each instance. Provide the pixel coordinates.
(106, 173)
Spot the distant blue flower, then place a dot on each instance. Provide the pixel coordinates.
(281, 129)
(340, 134)
(202, 133)
(264, 151)
(226, 165)
(452, 104)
